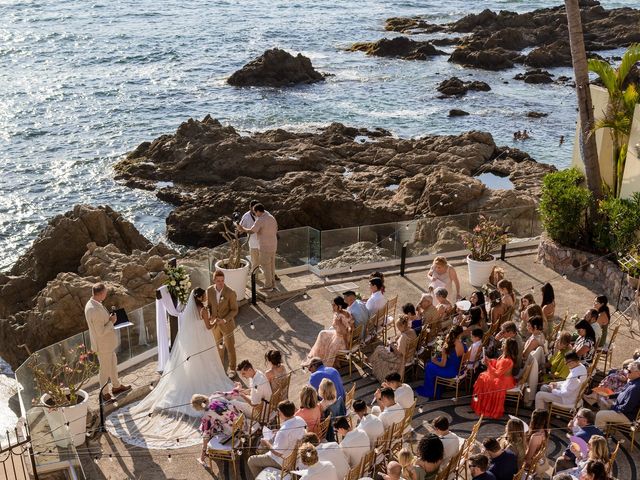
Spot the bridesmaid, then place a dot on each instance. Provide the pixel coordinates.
(447, 365)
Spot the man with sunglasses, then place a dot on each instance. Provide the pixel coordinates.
(625, 409)
(582, 427)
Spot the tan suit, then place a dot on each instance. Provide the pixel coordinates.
(103, 340)
(226, 309)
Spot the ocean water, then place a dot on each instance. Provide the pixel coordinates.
(83, 82)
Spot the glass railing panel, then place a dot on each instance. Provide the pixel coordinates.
(315, 250)
(143, 331)
(379, 243)
(435, 235)
(198, 266)
(293, 248)
(337, 247)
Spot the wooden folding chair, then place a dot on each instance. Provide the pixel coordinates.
(628, 428)
(558, 328)
(323, 428)
(606, 353)
(467, 448)
(350, 396)
(371, 327)
(458, 379)
(568, 411)
(517, 393)
(529, 472)
(390, 318)
(289, 464)
(612, 459)
(254, 427)
(409, 358)
(227, 452)
(269, 416)
(368, 464)
(353, 347)
(382, 447)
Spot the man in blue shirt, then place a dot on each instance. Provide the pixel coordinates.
(582, 425)
(478, 465)
(319, 371)
(504, 463)
(625, 410)
(357, 309)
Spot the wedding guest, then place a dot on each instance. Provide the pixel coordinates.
(477, 300)
(266, 229)
(380, 276)
(406, 460)
(310, 410)
(496, 307)
(446, 366)
(223, 309)
(525, 302)
(276, 373)
(394, 471)
(367, 422)
(614, 382)
(427, 310)
(329, 452)
(478, 466)
(475, 354)
(509, 330)
(330, 341)
(536, 437)
(625, 409)
(530, 312)
(514, 439)
(259, 388)
(430, 454)
(218, 417)
(331, 404)
(104, 340)
(558, 368)
(247, 221)
(356, 308)
(591, 316)
(392, 412)
(450, 441)
(505, 287)
(319, 372)
(548, 302)
(291, 430)
(376, 301)
(582, 427)
(566, 391)
(403, 393)
(443, 306)
(585, 344)
(443, 275)
(601, 304)
(504, 463)
(536, 337)
(415, 320)
(594, 470)
(315, 468)
(598, 450)
(354, 443)
(385, 360)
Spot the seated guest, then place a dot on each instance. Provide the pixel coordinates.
(536, 337)
(276, 373)
(443, 306)
(394, 471)
(536, 439)
(548, 305)
(331, 405)
(315, 469)
(356, 308)
(566, 391)
(601, 304)
(505, 287)
(504, 463)
(614, 382)
(368, 423)
(330, 341)
(585, 344)
(558, 368)
(531, 311)
(415, 320)
(385, 360)
(514, 439)
(591, 316)
(426, 310)
(477, 300)
(450, 441)
(218, 417)
(291, 430)
(478, 466)
(583, 427)
(496, 307)
(430, 453)
(354, 443)
(525, 301)
(379, 276)
(392, 412)
(475, 354)
(598, 450)
(310, 410)
(319, 371)
(376, 301)
(490, 389)
(403, 393)
(473, 319)
(406, 460)
(625, 409)
(329, 452)
(446, 366)
(509, 330)
(594, 470)
(259, 388)
(443, 275)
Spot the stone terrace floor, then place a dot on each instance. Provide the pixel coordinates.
(293, 329)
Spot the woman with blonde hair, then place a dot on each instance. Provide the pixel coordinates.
(406, 459)
(331, 405)
(515, 439)
(315, 469)
(386, 360)
(310, 410)
(443, 275)
(598, 451)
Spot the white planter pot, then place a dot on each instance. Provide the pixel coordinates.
(236, 278)
(75, 415)
(479, 272)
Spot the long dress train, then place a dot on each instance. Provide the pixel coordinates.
(164, 418)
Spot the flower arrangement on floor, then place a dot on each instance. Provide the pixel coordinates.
(485, 238)
(178, 283)
(62, 380)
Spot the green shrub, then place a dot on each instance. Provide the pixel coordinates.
(563, 206)
(619, 221)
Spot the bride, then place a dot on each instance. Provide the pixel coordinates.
(165, 418)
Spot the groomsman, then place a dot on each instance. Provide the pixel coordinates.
(223, 308)
(103, 339)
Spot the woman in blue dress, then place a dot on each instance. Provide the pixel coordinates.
(446, 366)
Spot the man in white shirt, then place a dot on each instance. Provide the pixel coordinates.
(392, 412)
(259, 388)
(368, 423)
(566, 391)
(247, 221)
(376, 301)
(354, 444)
(403, 392)
(329, 452)
(291, 430)
(450, 441)
(266, 228)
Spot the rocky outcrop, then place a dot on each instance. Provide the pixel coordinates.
(534, 114)
(456, 87)
(496, 41)
(336, 177)
(276, 68)
(401, 47)
(535, 76)
(37, 316)
(455, 112)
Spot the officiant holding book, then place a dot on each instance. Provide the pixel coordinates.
(104, 339)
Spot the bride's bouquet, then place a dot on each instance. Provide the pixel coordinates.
(178, 283)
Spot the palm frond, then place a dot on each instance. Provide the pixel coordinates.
(629, 59)
(606, 73)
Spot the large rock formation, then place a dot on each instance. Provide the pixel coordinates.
(42, 298)
(401, 47)
(276, 68)
(456, 87)
(337, 177)
(496, 40)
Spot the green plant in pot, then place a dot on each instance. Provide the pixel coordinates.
(486, 237)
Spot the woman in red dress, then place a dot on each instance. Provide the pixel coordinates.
(491, 387)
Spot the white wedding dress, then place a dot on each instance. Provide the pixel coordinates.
(194, 366)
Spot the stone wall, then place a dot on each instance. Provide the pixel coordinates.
(600, 274)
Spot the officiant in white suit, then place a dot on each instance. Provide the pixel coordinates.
(104, 339)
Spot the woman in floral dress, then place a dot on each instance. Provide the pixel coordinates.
(330, 341)
(218, 417)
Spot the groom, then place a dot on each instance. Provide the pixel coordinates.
(223, 309)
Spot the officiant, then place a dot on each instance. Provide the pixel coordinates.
(223, 308)
(104, 339)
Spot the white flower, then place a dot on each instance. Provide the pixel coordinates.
(172, 283)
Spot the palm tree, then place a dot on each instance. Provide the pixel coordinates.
(622, 103)
(587, 141)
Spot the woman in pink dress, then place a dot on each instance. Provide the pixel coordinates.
(330, 341)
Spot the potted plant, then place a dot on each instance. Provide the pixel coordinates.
(630, 264)
(485, 238)
(234, 267)
(64, 402)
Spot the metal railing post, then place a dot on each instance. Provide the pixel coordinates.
(503, 249)
(403, 258)
(254, 293)
(100, 403)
